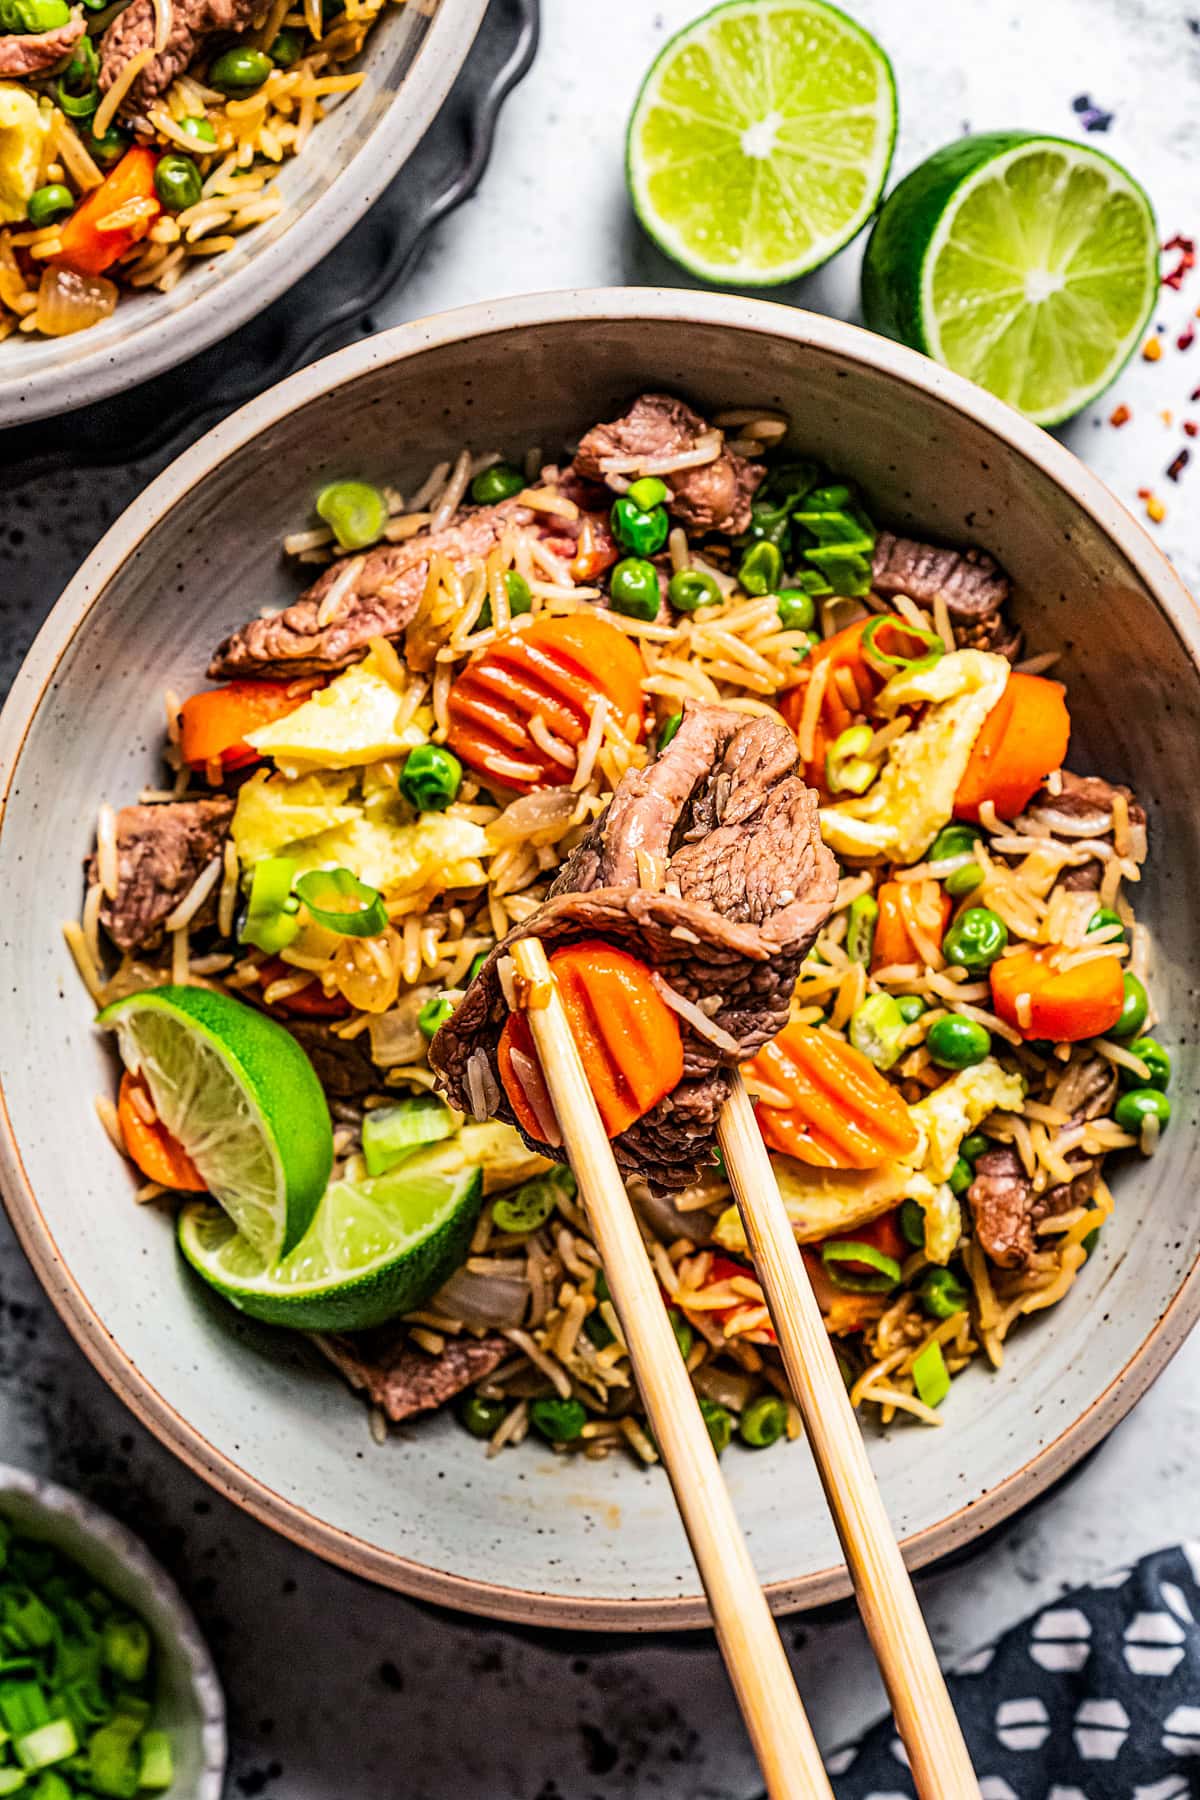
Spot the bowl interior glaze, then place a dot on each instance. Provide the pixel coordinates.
(529, 1535)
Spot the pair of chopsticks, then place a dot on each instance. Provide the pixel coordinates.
(754, 1656)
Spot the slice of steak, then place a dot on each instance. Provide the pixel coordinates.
(403, 1381)
(161, 850)
(33, 52)
(972, 583)
(725, 833)
(378, 602)
(344, 1066)
(713, 496)
(1002, 1200)
(1084, 808)
(132, 31)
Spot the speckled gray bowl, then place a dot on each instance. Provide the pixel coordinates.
(530, 1536)
(190, 1704)
(411, 60)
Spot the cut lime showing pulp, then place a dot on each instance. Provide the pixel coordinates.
(238, 1092)
(1029, 264)
(761, 139)
(377, 1247)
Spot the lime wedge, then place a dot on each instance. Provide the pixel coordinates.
(242, 1098)
(761, 139)
(376, 1247)
(1029, 264)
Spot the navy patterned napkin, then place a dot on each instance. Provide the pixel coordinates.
(1095, 1698)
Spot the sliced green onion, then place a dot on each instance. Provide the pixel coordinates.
(930, 1376)
(355, 511)
(47, 1745)
(882, 1273)
(528, 1207)
(648, 492)
(390, 1133)
(912, 1223)
(342, 903)
(860, 929)
(158, 1762)
(113, 1764)
(885, 662)
(670, 727)
(13, 1780)
(876, 1028)
(847, 770)
(943, 1294)
(126, 1650)
(271, 911)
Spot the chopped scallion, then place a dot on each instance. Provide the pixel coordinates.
(930, 1375)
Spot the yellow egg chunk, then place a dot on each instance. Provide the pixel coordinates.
(823, 1203)
(432, 853)
(274, 811)
(343, 726)
(24, 124)
(913, 797)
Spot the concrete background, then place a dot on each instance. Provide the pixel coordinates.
(341, 1692)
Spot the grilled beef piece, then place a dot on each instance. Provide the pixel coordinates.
(713, 497)
(1082, 810)
(379, 602)
(33, 52)
(972, 584)
(403, 1381)
(161, 850)
(132, 31)
(1001, 1198)
(344, 1066)
(731, 829)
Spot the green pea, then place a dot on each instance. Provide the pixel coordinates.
(961, 1176)
(49, 203)
(1105, 916)
(975, 939)
(860, 929)
(520, 600)
(433, 1015)
(499, 482)
(108, 149)
(240, 71)
(912, 1224)
(648, 492)
(690, 589)
(528, 1207)
(876, 1028)
(763, 1422)
(942, 1294)
(796, 609)
(643, 532)
(953, 840)
(911, 1007)
(761, 569)
(287, 49)
(684, 1335)
(1157, 1060)
(431, 777)
(719, 1421)
(961, 882)
(560, 1421)
(957, 1043)
(178, 182)
(1142, 1103)
(634, 590)
(973, 1147)
(355, 511)
(197, 127)
(668, 731)
(1134, 1008)
(34, 15)
(481, 1417)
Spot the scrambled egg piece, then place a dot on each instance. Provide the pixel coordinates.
(822, 1203)
(497, 1149)
(24, 124)
(274, 811)
(913, 797)
(345, 725)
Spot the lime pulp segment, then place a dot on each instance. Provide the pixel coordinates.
(761, 140)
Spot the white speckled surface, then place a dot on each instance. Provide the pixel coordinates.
(338, 1690)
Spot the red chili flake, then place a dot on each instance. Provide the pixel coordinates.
(1187, 260)
(1191, 428)
(1120, 415)
(1143, 493)
(1195, 394)
(1179, 465)
(1186, 338)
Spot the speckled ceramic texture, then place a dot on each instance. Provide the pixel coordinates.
(189, 1701)
(411, 61)
(534, 1537)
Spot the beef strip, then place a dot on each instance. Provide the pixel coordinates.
(344, 1066)
(160, 852)
(132, 31)
(747, 886)
(1082, 810)
(972, 584)
(1001, 1199)
(403, 1381)
(712, 497)
(379, 602)
(33, 52)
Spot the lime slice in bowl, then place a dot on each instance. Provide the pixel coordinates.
(1029, 264)
(377, 1247)
(761, 139)
(238, 1092)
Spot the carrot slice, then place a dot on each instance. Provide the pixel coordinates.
(213, 724)
(1023, 738)
(157, 1154)
(850, 686)
(1064, 1005)
(113, 217)
(893, 941)
(841, 1112)
(628, 1038)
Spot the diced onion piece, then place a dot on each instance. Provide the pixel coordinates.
(69, 302)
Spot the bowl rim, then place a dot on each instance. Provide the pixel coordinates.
(147, 351)
(102, 1528)
(855, 346)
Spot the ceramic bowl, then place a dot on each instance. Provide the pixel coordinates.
(411, 60)
(530, 1536)
(190, 1704)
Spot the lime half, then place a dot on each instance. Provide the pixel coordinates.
(1029, 264)
(761, 139)
(376, 1247)
(240, 1095)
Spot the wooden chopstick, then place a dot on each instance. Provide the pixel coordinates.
(762, 1680)
(938, 1757)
